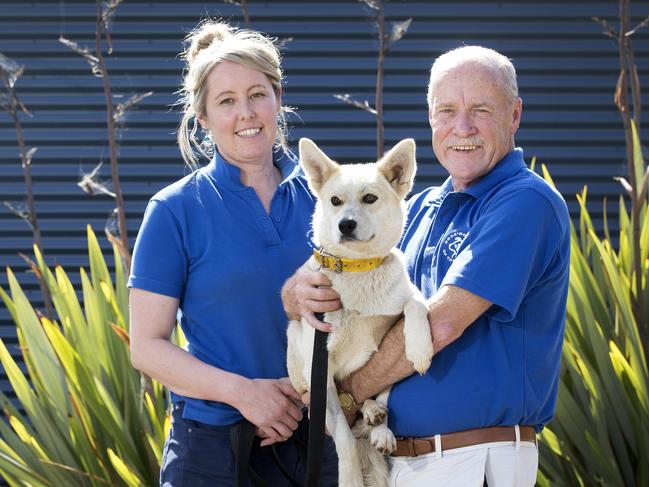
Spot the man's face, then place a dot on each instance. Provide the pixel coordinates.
(473, 122)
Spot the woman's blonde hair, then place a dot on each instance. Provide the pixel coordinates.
(210, 43)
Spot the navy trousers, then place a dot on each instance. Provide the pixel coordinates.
(198, 454)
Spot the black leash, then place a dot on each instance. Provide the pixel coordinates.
(318, 406)
(242, 434)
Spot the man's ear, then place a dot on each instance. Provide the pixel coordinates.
(317, 166)
(517, 112)
(399, 166)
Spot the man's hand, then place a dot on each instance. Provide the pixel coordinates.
(308, 292)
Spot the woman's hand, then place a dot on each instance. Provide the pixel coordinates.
(273, 406)
(308, 292)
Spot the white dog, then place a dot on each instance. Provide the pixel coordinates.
(358, 220)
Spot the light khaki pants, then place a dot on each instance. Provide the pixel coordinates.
(503, 464)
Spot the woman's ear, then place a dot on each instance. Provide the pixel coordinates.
(278, 96)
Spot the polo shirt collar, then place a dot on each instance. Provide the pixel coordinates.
(506, 168)
(229, 175)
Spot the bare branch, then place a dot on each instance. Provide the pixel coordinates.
(100, 33)
(399, 29)
(29, 155)
(113, 238)
(243, 4)
(10, 70)
(91, 184)
(20, 210)
(109, 11)
(105, 18)
(619, 91)
(92, 60)
(111, 227)
(281, 43)
(625, 184)
(23, 108)
(119, 115)
(642, 24)
(34, 268)
(608, 30)
(364, 105)
(373, 4)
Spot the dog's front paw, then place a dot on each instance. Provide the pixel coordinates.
(419, 352)
(373, 412)
(383, 439)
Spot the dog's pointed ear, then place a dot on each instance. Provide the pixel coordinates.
(399, 166)
(317, 166)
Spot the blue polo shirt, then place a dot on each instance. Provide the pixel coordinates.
(506, 238)
(208, 241)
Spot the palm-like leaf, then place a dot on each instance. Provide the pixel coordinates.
(600, 434)
(89, 418)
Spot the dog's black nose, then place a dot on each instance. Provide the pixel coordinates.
(347, 227)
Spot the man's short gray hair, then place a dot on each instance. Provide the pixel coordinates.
(479, 55)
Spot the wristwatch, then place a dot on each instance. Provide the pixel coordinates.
(347, 402)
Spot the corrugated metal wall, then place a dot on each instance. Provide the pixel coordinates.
(567, 72)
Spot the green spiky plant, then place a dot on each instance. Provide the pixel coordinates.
(600, 433)
(89, 418)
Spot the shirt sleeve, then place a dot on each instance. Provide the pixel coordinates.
(160, 260)
(510, 247)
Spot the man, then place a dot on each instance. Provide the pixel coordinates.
(490, 249)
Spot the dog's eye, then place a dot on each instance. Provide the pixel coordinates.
(336, 201)
(369, 198)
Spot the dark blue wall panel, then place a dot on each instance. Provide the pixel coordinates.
(567, 72)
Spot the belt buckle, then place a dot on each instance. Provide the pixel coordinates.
(337, 260)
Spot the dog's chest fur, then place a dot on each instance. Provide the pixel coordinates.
(371, 303)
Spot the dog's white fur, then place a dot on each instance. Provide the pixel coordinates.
(372, 301)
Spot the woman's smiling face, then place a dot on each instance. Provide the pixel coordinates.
(241, 108)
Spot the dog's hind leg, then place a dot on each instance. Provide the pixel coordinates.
(380, 435)
(349, 462)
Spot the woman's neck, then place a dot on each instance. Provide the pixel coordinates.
(263, 178)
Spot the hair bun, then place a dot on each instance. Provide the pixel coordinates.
(203, 36)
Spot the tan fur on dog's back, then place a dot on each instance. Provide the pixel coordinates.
(371, 300)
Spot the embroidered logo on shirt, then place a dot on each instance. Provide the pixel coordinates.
(451, 244)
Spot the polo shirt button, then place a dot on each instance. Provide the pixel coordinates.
(277, 219)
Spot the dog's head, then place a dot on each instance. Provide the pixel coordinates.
(360, 210)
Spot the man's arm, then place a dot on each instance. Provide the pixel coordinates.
(450, 312)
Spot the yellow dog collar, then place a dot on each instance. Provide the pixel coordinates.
(339, 264)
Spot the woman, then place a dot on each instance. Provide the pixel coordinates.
(214, 248)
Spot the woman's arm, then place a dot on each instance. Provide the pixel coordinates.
(270, 404)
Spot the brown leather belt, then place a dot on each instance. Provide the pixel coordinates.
(412, 447)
